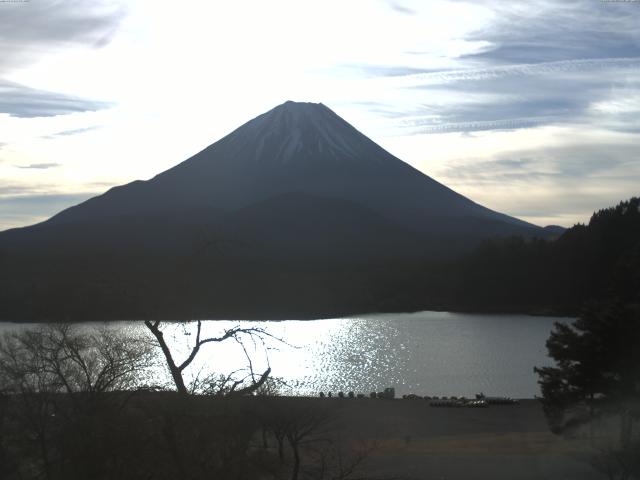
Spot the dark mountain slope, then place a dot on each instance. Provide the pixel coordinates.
(297, 227)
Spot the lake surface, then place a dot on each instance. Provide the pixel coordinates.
(427, 353)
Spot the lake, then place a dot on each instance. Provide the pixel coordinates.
(427, 353)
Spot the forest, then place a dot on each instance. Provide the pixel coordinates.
(586, 263)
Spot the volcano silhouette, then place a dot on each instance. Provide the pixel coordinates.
(296, 196)
(304, 148)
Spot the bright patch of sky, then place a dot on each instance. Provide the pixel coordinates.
(530, 108)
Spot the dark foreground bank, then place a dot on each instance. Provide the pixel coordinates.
(165, 436)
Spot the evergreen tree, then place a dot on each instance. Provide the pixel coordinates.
(597, 367)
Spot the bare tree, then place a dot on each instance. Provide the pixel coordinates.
(56, 376)
(299, 423)
(231, 386)
(617, 462)
(71, 360)
(335, 462)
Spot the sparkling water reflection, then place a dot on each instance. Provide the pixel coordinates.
(428, 353)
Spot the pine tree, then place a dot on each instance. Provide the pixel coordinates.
(597, 367)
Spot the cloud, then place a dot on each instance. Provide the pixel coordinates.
(558, 184)
(578, 162)
(546, 30)
(543, 69)
(21, 101)
(543, 62)
(8, 190)
(400, 8)
(386, 70)
(475, 126)
(75, 131)
(20, 190)
(32, 29)
(39, 166)
(21, 210)
(526, 95)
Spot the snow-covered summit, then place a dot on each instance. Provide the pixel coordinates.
(299, 131)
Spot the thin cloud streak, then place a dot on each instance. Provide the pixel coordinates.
(518, 70)
(39, 166)
(25, 102)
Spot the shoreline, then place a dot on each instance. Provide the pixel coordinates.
(302, 317)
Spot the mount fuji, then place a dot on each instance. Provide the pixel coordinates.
(302, 148)
(295, 200)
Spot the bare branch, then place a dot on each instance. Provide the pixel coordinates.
(254, 386)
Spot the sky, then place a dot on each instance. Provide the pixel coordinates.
(529, 108)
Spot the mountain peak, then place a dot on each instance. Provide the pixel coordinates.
(294, 104)
(304, 131)
(296, 112)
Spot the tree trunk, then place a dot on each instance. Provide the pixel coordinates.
(176, 373)
(178, 380)
(44, 451)
(168, 431)
(280, 448)
(296, 461)
(625, 428)
(591, 419)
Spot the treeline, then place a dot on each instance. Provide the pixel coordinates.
(586, 263)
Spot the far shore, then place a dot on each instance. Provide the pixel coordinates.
(307, 316)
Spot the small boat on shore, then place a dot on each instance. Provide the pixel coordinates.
(457, 403)
(496, 400)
